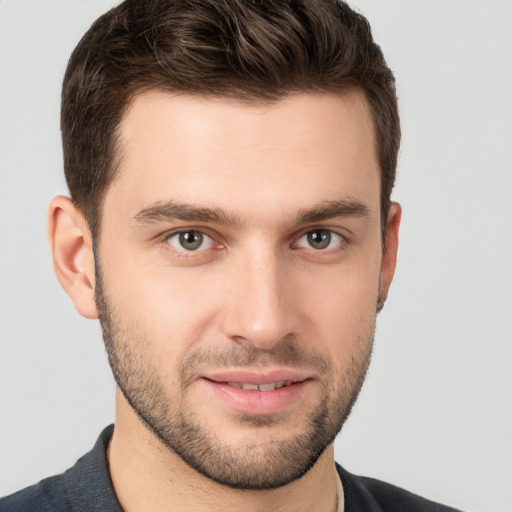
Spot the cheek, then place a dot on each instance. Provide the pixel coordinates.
(165, 311)
(341, 309)
(172, 310)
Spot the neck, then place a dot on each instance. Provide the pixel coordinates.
(148, 476)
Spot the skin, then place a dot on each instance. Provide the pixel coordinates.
(255, 286)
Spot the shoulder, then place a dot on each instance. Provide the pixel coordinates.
(363, 494)
(47, 495)
(86, 487)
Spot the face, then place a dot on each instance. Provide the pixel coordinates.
(240, 267)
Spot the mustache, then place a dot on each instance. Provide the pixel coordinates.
(284, 353)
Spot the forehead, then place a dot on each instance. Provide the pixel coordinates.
(277, 156)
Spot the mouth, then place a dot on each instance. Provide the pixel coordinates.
(257, 393)
(258, 379)
(260, 387)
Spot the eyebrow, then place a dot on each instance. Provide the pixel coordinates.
(168, 211)
(332, 209)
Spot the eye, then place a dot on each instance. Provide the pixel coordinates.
(190, 241)
(320, 239)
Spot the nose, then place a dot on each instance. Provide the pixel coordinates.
(260, 308)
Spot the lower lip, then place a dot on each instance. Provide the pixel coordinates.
(257, 402)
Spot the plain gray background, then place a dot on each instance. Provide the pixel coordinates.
(435, 415)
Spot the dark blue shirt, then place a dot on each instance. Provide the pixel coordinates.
(86, 487)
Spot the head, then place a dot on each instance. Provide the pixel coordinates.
(230, 165)
(255, 52)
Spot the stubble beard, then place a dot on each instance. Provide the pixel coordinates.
(259, 463)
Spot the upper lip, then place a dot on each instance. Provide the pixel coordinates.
(258, 376)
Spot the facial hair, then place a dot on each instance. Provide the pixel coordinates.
(261, 462)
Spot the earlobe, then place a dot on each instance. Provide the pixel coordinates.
(72, 252)
(389, 255)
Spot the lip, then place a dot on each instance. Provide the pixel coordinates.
(254, 402)
(258, 376)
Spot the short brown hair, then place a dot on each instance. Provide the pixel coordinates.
(249, 50)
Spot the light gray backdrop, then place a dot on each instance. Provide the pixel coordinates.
(435, 415)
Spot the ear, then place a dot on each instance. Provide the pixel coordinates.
(389, 255)
(73, 258)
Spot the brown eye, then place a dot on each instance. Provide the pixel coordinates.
(188, 241)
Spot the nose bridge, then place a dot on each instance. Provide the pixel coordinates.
(259, 310)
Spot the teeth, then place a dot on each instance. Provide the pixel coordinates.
(260, 387)
(253, 387)
(268, 387)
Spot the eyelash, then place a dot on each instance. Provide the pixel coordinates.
(341, 240)
(182, 251)
(329, 235)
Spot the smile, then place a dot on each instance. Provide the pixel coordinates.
(271, 386)
(257, 392)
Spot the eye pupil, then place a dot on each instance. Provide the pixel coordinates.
(319, 239)
(191, 240)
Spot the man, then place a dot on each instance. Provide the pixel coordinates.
(230, 166)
